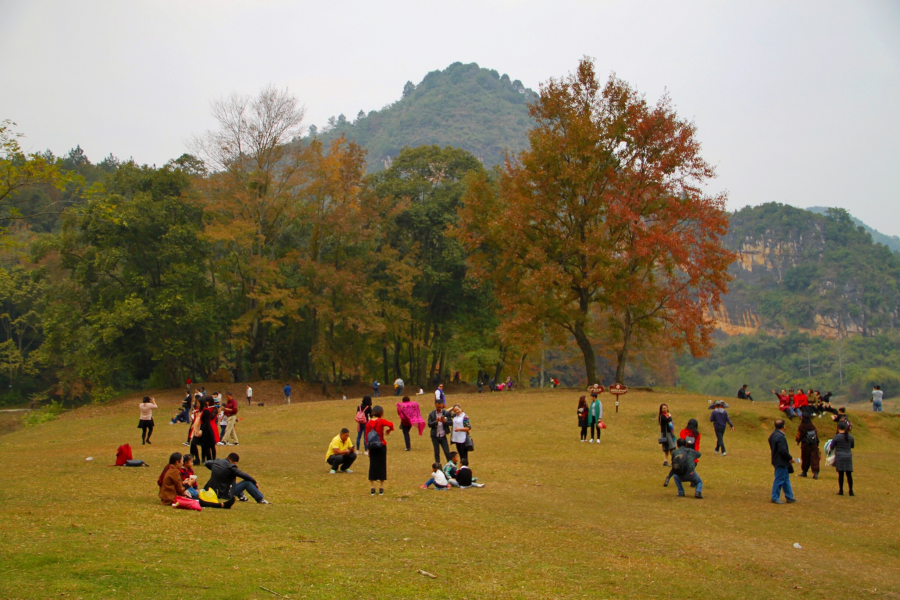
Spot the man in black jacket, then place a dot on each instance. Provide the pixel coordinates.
(781, 460)
(441, 422)
(224, 472)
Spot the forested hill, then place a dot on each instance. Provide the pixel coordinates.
(800, 270)
(464, 106)
(891, 241)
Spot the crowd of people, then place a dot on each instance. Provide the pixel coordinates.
(212, 422)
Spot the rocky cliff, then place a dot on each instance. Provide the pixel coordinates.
(796, 270)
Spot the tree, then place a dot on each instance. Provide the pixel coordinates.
(20, 171)
(408, 88)
(601, 228)
(251, 202)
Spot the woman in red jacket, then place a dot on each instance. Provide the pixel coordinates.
(378, 455)
(691, 435)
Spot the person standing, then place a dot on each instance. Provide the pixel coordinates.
(207, 439)
(808, 438)
(595, 417)
(461, 429)
(781, 460)
(843, 444)
(341, 453)
(719, 418)
(666, 432)
(249, 395)
(376, 388)
(363, 414)
(145, 424)
(378, 449)
(410, 415)
(231, 411)
(583, 417)
(877, 397)
(287, 393)
(439, 395)
(398, 387)
(439, 420)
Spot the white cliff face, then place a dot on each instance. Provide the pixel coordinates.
(761, 266)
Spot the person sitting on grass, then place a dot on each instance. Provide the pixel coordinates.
(341, 453)
(464, 476)
(172, 486)
(785, 404)
(450, 469)
(188, 478)
(224, 473)
(683, 468)
(437, 478)
(744, 393)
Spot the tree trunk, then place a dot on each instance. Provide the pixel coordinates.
(397, 349)
(622, 355)
(587, 350)
(441, 368)
(499, 364)
(384, 357)
(521, 364)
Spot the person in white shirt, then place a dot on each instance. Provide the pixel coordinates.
(877, 397)
(437, 478)
(398, 387)
(145, 424)
(249, 395)
(461, 427)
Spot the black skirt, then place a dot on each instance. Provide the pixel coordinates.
(142, 424)
(378, 464)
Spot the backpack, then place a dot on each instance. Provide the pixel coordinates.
(680, 464)
(361, 415)
(123, 455)
(372, 439)
(812, 437)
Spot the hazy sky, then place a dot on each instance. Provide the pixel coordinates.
(797, 102)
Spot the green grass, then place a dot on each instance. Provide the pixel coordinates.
(558, 518)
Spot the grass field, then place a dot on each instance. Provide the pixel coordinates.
(557, 519)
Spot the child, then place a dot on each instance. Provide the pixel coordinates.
(450, 469)
(437, 478)
(223, 424)
(464, 476)
(188, 477)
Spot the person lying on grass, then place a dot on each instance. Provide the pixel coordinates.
(224, 473)
(437, 478)
(171, 485)
(464, 476)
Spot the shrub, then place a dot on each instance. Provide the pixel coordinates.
(43, 415)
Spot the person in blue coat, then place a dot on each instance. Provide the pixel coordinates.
(287, 393)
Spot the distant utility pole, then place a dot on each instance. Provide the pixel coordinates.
(808, 363)
(542, 356)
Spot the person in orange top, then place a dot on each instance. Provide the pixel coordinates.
(378, 453)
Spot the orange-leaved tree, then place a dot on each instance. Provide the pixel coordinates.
(602, 227)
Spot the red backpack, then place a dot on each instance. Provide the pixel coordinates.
(123, 455)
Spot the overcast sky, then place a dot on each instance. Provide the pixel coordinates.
(796, 102)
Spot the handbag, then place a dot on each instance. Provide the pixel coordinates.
(209, 496)
(470, 443)
(601, 424)
(663, 440)
(188, 503)
(791, 467)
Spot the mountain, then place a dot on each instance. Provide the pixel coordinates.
(464, 106)
(796, 269)
(891, 241)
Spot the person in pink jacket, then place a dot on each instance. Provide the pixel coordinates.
(410, 415)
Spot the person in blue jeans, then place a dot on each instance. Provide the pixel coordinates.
(689, 460)
(781, 460)
(877, 397)
(223, 477)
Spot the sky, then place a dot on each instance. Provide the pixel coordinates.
(794, 102)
